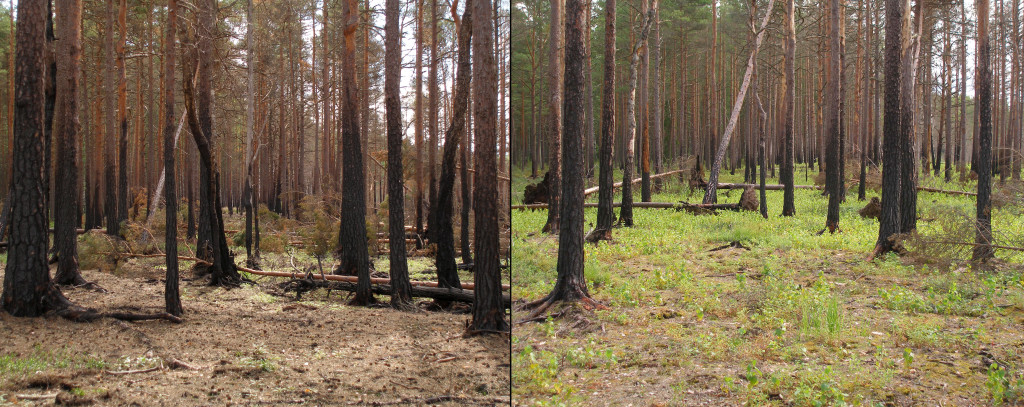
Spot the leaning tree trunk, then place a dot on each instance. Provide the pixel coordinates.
(198, 105)
(400, 294)
(352, 237)
(68, 55)
(983, 237)
(710, 194)
(172, 297)
(447, 273)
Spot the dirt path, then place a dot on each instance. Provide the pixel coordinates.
(248, 347)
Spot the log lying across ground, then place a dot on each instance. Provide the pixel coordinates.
(352, 279)
(443, 294)
(590, 191)
(647, 205)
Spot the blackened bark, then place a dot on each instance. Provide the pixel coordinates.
(626, 213)
(605, 213)
(110, 118)
(447, 273)
(400, 294)
(51, 102)
(832, 126)
(172, 297)
(27, 290)
(983, 237)
(68, 56)
(352, 237)
(467, 199)
(122, 111)
(488, 310)
(198, 105)
(892, 157)
(555, 63)
(788, 104)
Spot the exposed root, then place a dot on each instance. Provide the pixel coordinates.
(542, 305)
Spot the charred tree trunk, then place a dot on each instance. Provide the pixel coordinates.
(983, 238)
(555, 63)
(400, 293)
(110, 118)
(172, 297)
(352, 238)
(488, 310)
(626, 213)
(447, 273)
(66, 126)
(27, 290)
(892, 158)
(833, 173)
(605, 213)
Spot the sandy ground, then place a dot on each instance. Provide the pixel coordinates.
(248, 346)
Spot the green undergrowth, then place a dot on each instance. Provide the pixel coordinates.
(793, 317)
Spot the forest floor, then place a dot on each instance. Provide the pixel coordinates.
(790, 318)
(253, 345)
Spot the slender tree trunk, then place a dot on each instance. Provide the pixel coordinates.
(488, 310)
(555, 64)
(432, 103)
(605, 213)
(172, 298)
(122, 112)
(788, 105)
(352, 237)
(892, 159)
(400, 293)
(710, 195)
(110, 118)
(251, 259)
(833, 173)
(626, 211)
(68, 55)
(983, 238)
(447, 273)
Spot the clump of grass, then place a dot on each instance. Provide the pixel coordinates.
(40, 360)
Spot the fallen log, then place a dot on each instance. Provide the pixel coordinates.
(946, 191)
(772, 187)
(351, 279)
(644, 205)
(443, 294)
(617, 185)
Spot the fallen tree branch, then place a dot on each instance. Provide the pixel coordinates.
(617, 185)
(128, 372)
(350, 279)
(443, 294)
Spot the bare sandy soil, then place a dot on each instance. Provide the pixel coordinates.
(247, 346)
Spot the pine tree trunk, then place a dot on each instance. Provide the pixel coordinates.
(983, 237)
(488, 310)
(66, 125)
(352, 236)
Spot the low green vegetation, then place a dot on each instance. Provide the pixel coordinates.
(791, 318)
